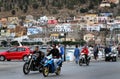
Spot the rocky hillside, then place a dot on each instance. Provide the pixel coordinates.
(61, 8)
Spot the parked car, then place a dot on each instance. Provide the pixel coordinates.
(19, 52)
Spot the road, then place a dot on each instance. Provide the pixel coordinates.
(96, 70)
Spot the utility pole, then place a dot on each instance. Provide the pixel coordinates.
(65, 47)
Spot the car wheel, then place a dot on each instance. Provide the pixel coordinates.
(25, 58)
(2, 58)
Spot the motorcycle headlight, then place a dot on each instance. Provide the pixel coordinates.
(115, 55)
(29, 56)
(106, 54)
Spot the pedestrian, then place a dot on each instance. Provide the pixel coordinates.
(76, 54)
(61, 50)
(118, 49)
(95, 51)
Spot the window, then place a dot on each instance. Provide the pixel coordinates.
(21, 49)
(12, 49)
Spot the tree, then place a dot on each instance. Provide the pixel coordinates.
(83, 10)
(14, 43)
(82, 1)
(70, 4)
(25, 9)
(21, 7)
(57, 4)
(91, 6)
(13, 12)
(54, 11)
(43, 2)
(113, 5)
(35, 5)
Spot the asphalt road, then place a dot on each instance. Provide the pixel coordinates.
(96, 70)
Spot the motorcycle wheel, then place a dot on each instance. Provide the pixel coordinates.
(80, 62)
(58, 71)
(114, 59)
(87, 63)
(40, 69)
(26, 70)
(45, 71)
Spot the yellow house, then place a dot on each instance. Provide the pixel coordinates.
(54, 36)
(91, 19)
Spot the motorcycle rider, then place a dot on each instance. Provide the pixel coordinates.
(55, 55)
(107, 50)
(85, 52)
(39, 55)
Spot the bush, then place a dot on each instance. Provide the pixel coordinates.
(14, 43)
(54, 11)
(31, 43)
(83, 10)
(81, 42)
(53, 42)
(35, 6)
(13, 12)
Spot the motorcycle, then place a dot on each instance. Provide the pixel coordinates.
(30, 64)
(112, 56)
(49, 67)
(82, 60)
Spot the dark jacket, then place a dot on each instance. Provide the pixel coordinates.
(40, 53)
(55, 53)
(107, 50)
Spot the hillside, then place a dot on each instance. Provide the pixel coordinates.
(61, 8)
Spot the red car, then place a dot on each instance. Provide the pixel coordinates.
(20, 52)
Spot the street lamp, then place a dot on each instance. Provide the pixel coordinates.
(65, 47)
(63, 35)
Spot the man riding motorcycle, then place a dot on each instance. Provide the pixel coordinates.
(39, 54)
(85, 52)
(55, 55)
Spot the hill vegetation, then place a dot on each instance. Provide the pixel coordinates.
(60, 8)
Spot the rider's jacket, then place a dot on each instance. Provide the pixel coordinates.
(85, 51)
(55, 53)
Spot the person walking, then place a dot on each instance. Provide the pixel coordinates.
(118, 49)
(76, 54)
(95, 51)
